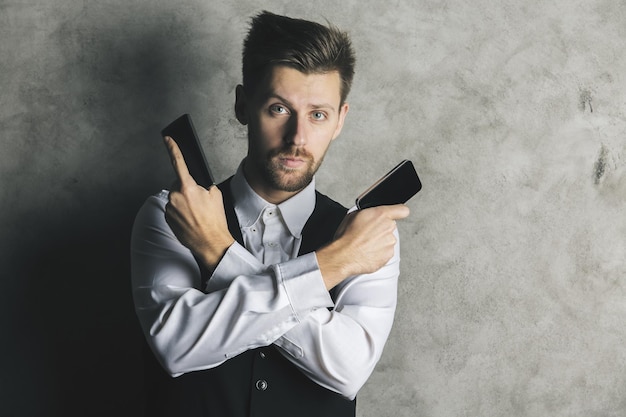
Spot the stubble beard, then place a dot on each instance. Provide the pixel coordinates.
(288, 179)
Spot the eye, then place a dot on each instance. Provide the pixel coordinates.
(318, 115)
(278, 109)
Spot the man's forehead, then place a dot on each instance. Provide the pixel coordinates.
(290, 84)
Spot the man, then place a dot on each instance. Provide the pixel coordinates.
(261, 296)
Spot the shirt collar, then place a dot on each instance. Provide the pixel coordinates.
(249, 205)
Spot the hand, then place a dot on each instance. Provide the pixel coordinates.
(195, 214)
(364, 243)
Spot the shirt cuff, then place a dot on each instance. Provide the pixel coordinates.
(302, 280)
(237, 258)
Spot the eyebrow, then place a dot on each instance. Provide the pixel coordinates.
(270, 95)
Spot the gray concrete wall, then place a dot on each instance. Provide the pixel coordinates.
(512, 295)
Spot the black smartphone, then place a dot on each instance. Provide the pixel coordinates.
(184, 134)
(395, 187)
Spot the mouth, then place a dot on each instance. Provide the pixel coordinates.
(292, 162)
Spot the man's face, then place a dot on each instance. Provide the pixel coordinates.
(292, 119)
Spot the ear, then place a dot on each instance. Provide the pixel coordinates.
(343, 111)
(241, 105)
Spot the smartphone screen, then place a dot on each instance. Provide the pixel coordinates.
(395, 187)
(184, 134)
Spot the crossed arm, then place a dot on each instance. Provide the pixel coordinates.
(248, 304)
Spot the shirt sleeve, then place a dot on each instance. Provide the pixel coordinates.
(339, 348)
(189, 329)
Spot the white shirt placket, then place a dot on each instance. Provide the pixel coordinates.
(272, 238)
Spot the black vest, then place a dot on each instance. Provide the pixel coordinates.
(259, 382)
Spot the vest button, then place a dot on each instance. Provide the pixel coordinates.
(262, 355)
(261, 385)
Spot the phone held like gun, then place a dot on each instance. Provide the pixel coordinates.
(395, 187)
(184, 134)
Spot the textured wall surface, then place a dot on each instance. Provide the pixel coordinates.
(513, 288)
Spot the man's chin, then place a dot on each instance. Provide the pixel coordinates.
(291, 180)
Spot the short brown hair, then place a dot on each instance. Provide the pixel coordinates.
(296, 43)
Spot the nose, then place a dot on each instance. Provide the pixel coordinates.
(296, 131)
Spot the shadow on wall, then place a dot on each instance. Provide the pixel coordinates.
(75, 342)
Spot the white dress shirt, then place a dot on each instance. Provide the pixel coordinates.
(260, 293)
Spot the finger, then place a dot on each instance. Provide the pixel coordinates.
(178, 161)
(398, 211)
